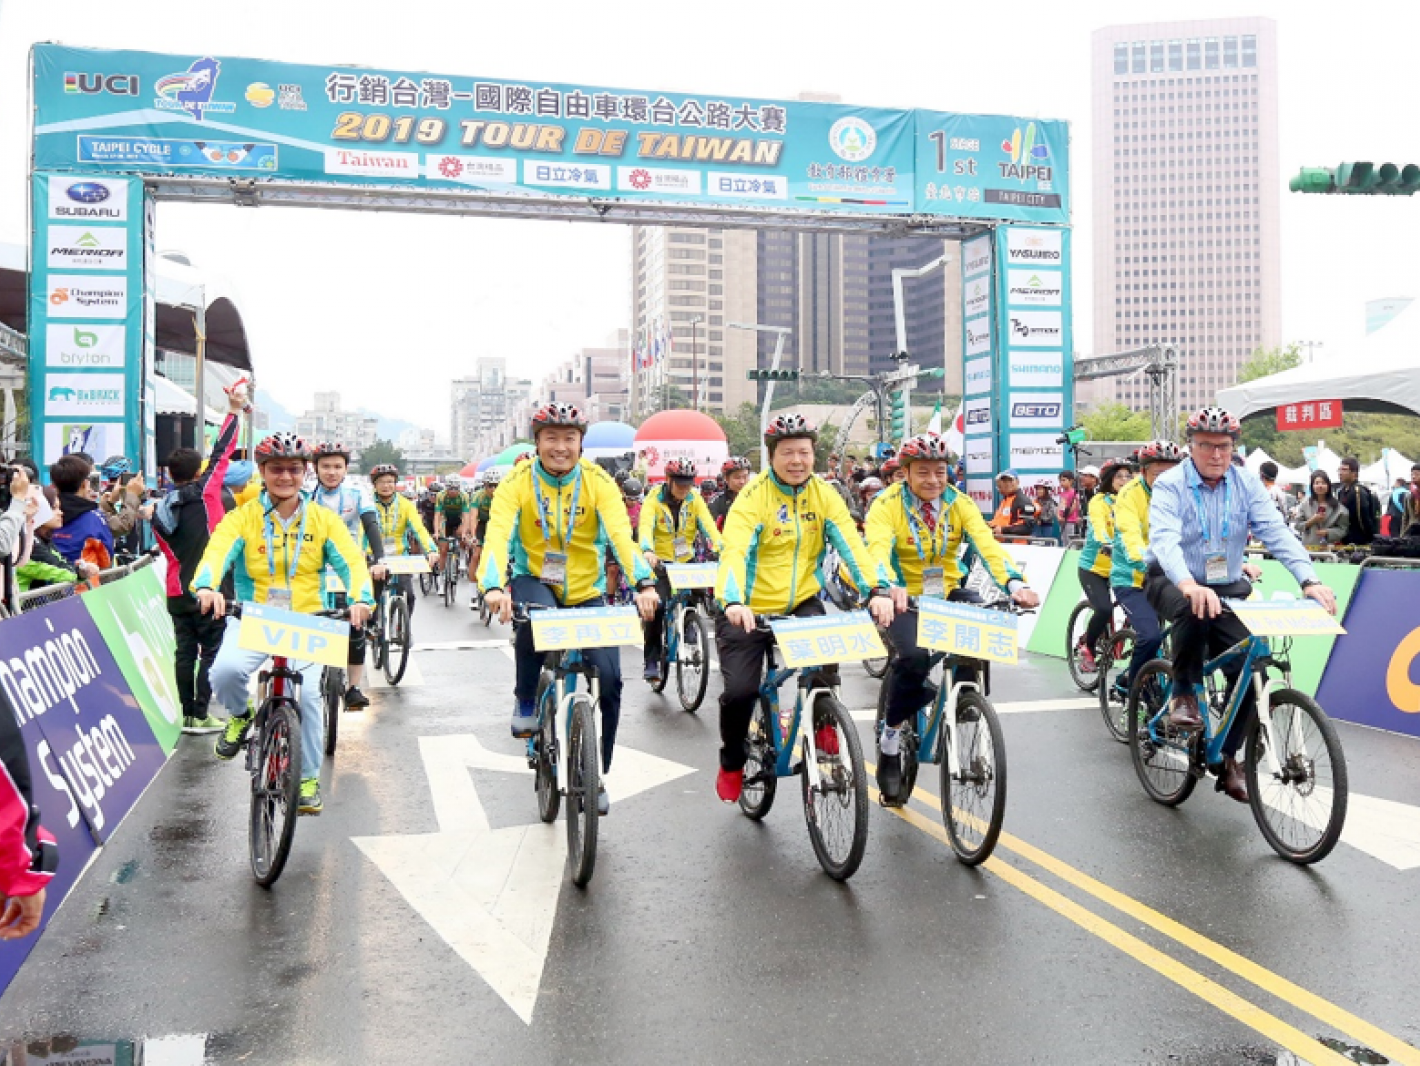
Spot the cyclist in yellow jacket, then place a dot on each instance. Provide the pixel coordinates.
(670, 519)
(553, 520)
(776, 535)
(1097, 555)
(400, 526)
(915, 529)
(278, 547)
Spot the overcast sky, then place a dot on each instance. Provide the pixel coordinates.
(389, 308)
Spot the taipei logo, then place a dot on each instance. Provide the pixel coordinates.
(1027, 159)
(192, 90)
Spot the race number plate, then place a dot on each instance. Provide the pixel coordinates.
(301, 637)
(586, 627)
(831, 638)
(966, 630)
(691, 575)
(1285, 618)
(406, 564)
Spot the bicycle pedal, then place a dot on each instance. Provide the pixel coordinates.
(891, 802)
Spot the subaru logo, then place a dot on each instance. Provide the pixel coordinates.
(88, 192)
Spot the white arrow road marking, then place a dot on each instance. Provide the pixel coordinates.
(492, 894)
(413, 677)
(1383, 829)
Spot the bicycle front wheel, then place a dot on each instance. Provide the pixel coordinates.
(451, 582)
(1114, 654)
(836, 809)
(1300, 807)
(760, 781)
(1083, 672)
(1163, 758)
(332, 694)
(426, 583)
(583, 781)
(549, 799)
(275, 792)
(974, 798)
(692, 666)
(398, 640)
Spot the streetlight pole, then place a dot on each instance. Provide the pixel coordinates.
(695, 362)
(782, 331)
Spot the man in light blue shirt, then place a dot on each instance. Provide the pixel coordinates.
(1200, 515)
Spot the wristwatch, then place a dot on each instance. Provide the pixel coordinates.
(645, 583)
(1309, 582)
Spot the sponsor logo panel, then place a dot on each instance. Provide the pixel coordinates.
(364, 163)
(83, 395)
(87, 296)
(87, 248)
(977, 298)
(1036, 329)
(1036, 288)
(567, 175)
(1035, 451)
(980, 456)
(92, 347)
(978, 336)
(747, 186)
(91, 84)
(1042, 410)
(191, 90)
(88, 199)
(1037, 370)
(976, 257)
(852, 139)
(978, 376)
(1033, 247)
(982, 491)
(472, 169)
(82, 435)
(977, 416)
(658, 179)
(166, 152)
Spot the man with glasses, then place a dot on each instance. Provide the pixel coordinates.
(278, 547)
(1201, 513)
(1359, 501)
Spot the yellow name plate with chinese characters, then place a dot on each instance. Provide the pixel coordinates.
(833, 638)
(406, 564)
(1285, 618)
(691, 575)
(300, 637)
(966, 630)
(585, 627)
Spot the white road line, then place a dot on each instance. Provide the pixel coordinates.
(413, 677)
(461, 645)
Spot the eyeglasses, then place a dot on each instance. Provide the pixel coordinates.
(1219, 449)
(285, 470)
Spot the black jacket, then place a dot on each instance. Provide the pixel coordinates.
(183, 521)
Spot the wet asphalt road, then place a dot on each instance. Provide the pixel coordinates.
(1106, 930)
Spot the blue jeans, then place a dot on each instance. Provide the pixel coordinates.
(525, 589)
(1148, 634)
(231, 674)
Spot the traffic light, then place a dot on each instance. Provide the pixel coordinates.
(772, 375)
(1359, 179)
(935, 372)
(897, 414)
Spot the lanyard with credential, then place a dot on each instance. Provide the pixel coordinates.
(564, 539)
(914, 524)
(1203, 515)
(388, 522)
(292, 560)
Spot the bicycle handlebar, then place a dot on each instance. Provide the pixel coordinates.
(234, 610)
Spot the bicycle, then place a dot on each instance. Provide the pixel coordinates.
(685, 641)
(834, 788)
(970, 750)
(845, 597)
(1113, 655)
(390, 631)
(574, 772)
(273, 746)
(452, 565)
(1085, 680)
(1284, 761)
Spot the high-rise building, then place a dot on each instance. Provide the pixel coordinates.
(595, 380)
(1186, 198)
(327, 421)
(479, 423)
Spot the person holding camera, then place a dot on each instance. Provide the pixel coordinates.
(84, 526)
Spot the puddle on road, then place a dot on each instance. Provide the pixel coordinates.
(189, 1049)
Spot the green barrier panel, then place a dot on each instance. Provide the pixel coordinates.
(132, 615)
(1309, 654)
(1048, 637)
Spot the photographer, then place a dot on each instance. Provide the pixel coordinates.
(83, 527)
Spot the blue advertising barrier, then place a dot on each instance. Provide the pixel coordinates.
(1373, 675)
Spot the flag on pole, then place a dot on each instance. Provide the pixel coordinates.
(956, 435)
(934, 424)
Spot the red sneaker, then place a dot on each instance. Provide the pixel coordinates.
(1087, 658)
(826, 740)
(729, 784)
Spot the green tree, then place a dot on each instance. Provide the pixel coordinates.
(1264, 362)
(382, 451)
(1115, 421)
(741, 430)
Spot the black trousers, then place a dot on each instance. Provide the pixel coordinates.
(1197, 639)
(742, 668)
(1096, 590)
(651, 631)
(907, 680)
(198, 636)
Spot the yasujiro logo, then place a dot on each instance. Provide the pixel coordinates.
(976, 257)
(1033, 247)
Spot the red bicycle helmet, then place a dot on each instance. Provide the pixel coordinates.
(929, 446)
(681, 469)
(332, 447)
(1160, 451)
(281, 446)
(733, 463)
(384, 470)
(1214, 420)
(558, 414)
(789, 427)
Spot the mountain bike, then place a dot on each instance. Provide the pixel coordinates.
(273, 747)
(685, 642)
(453, 564)
(391, 630)
(968, 745)
(845, 597)
(1297, 780)
(827, 757)
(1086, 679)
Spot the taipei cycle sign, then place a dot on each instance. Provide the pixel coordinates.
(114, 131)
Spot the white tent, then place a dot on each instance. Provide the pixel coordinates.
(1383, 368)
(1256, 458)
(1386, 469)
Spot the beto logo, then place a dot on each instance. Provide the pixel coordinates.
(852, 139)
(980, 416)
(1035, 410)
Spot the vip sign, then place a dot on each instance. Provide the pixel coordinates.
(1037, 288)
(81, 296)
(1035, 370)
(977, 379)
(1035, 329)
(92, 347)
(83, 395)
(1042, 410)
(1033, 247)
(87, 247)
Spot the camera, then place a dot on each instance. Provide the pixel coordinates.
(7, 471)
